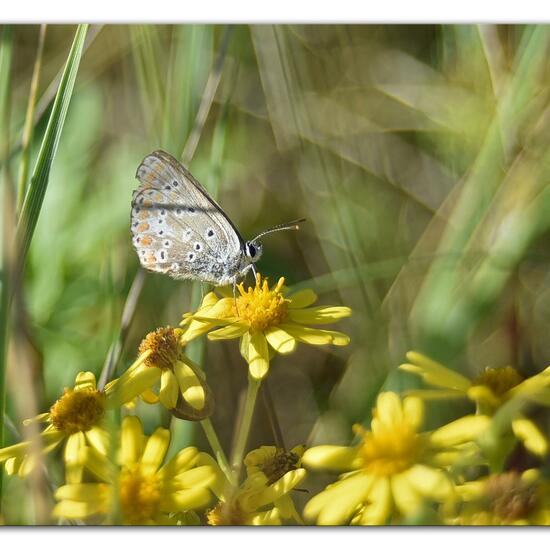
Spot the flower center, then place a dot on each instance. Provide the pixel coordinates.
(225, 513)
(389, 451)
(139, 495)
(164, 346)
(279, 464)
(260, 306)
(510, 498)
(77, 411)
(499, 380)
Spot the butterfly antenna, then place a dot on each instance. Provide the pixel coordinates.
(294, 225)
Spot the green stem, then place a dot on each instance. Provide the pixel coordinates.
(217, 449)
(246, 421)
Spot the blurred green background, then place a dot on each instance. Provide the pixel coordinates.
(418, 154)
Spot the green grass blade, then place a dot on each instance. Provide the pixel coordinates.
(29, 118)
(41, 173)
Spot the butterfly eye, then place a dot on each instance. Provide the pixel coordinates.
(251, 250)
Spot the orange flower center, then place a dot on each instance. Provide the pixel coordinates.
(140, 495)
(260, 306)
(164, 346)
(77, 411)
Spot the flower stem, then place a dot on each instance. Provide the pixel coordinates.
(217, 449)
(244, 427)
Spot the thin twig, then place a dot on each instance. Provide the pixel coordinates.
(269, 406)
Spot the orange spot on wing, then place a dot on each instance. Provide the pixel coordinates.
(143, 215)
(142, 227)
(147, 203)
(146, 241)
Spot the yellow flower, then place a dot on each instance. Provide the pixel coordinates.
(509, 498)
(183, 388)
(144, 491)
(264, 497)
(493, 388)
(77, 418)
(393, 470)
(264, 317)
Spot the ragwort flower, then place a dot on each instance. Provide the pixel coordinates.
(138, 485)
(490, 390)
(264, 497)
(264, 317)
(508, 498)
(183, 388)
(393, 470)
(77, 418)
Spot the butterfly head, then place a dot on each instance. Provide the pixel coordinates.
(253, 251)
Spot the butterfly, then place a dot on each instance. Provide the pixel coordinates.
(178, 229)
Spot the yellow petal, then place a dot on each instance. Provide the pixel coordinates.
(195, 396)
(315, 336)
(430, 482)
(258, 356)
(187, 499)
(467, 428)
(280, 340)
(85, 381)
(201, 476)
(98, 438)
(75, 442)
(149, 396)
(388, 409)
(471, 490)
(529, 434)
(235, 330)
(320, 315)
(244, 346)
(302, 298)
(435, 394)
(190, 386)
(336, 504)
(254, 500)
(434, 373)
(378, 507)
(269, 517)
(169, 389)
(97, 463)
(71, 509)
(484, 395)
(131, 440)
(84, 492)
(129, 386)
(413, 411)
(155, 450)
(406, 498)
(331, 457)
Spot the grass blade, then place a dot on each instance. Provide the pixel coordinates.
(41, 173)
(5, 70)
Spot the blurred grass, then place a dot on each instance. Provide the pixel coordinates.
(6, 44)
(418, 154)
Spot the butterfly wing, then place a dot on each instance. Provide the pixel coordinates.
(178, 229)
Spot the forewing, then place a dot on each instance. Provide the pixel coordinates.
(177, 227)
